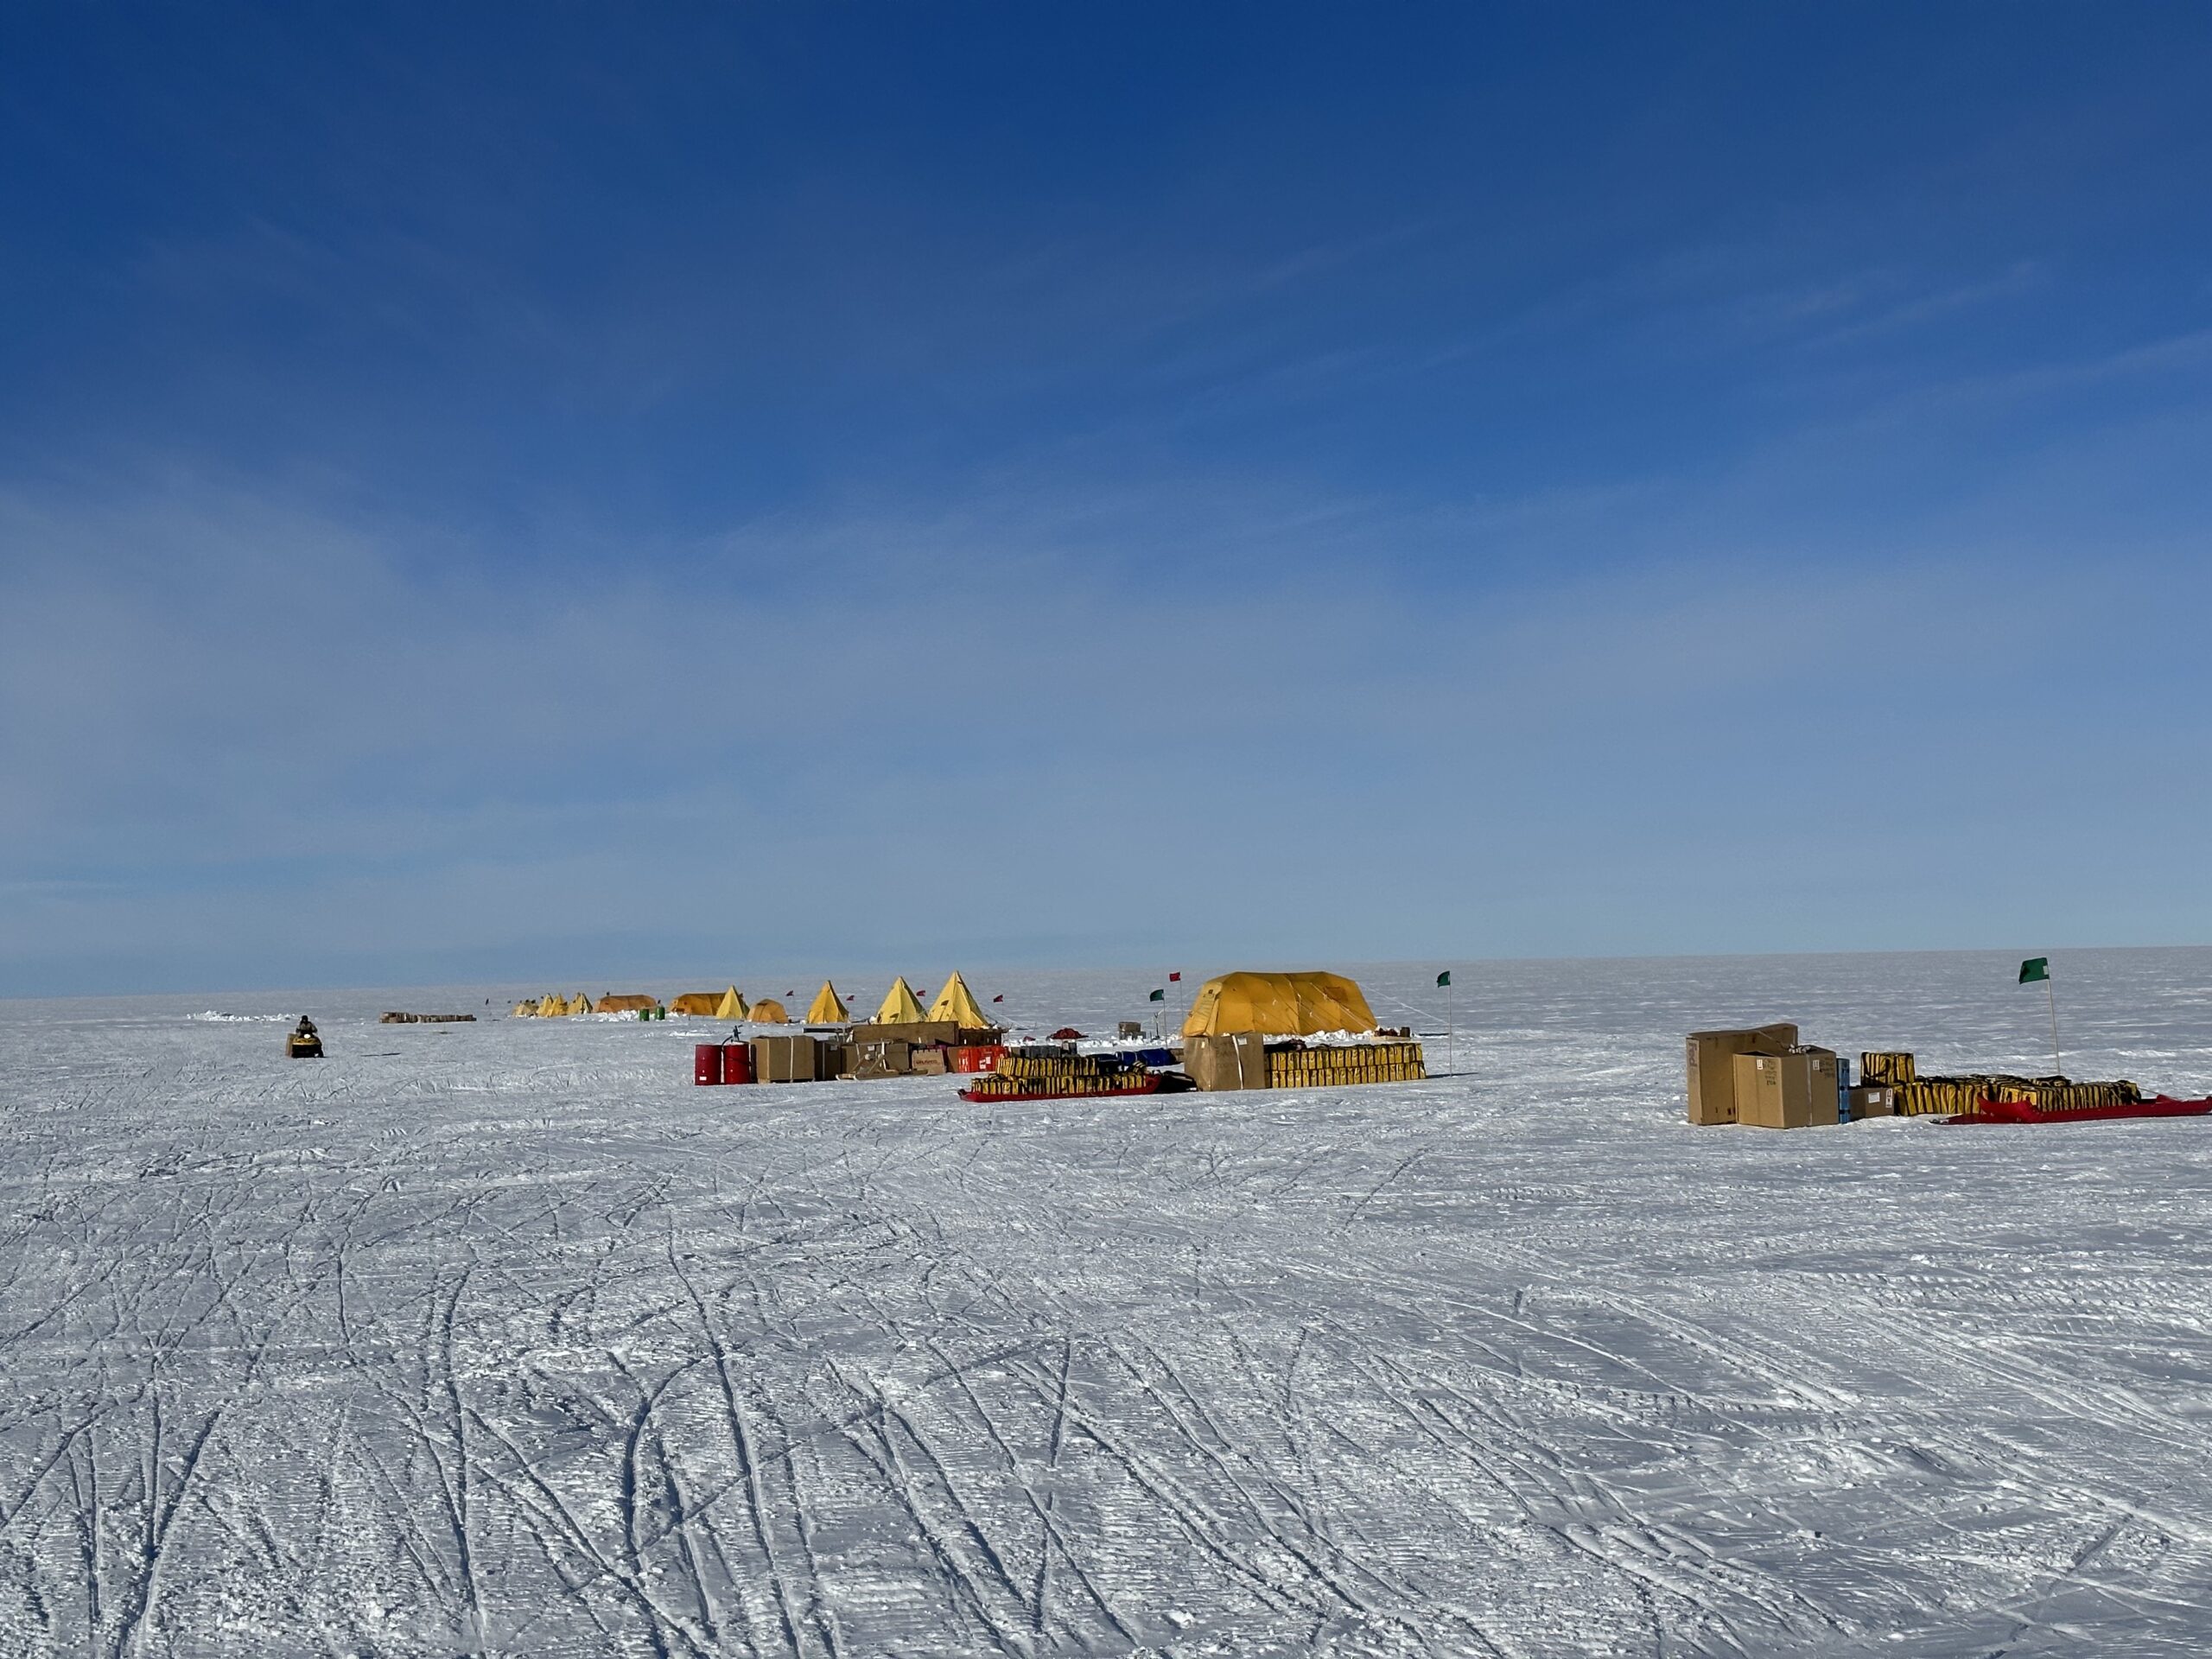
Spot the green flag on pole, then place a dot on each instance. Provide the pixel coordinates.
(2038, 967)
(1444, 979)
(1160, 995)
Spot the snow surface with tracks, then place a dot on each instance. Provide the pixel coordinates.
(506, 1338)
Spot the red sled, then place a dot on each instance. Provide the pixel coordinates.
(2018, 1111)
(1146, 1085)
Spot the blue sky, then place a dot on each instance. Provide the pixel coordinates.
(568, 492)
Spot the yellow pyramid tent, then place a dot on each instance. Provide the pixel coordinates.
(956, 1003)
(1279, 1005)
(525, 1008)
(828, 1007)
(901, 1007)
(731, 1006)
(579, 1003)
(769, 1012)
(551, 1004)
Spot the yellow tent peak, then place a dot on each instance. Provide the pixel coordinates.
(731, 1006)
(956, 1003)
(828, 1008)
(1279, 1005)
(550, 1005)
(901, 1007)
(769, 1012)
(579, 1003)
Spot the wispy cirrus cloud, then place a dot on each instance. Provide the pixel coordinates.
(249, 736)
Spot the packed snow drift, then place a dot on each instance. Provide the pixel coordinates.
(505, 1339)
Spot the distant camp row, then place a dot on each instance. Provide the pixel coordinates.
(955, 1003)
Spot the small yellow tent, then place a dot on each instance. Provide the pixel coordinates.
(579, 1003)
(551, 1004)
(828, 1009)
(769, 1012)
(526, 1009)
(956, 1003)
(730, 1005)
(901, 1007)
(1281, 1004)
(696, 1002)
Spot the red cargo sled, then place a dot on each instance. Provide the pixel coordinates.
(1148, 1084)
(2018, 1111)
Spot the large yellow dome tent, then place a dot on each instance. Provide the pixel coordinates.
(828, 1009)
(1279, 1005)
(769, 1012)
(732, 1005)
(625, 1003)
(899, 1006)
(956, 1003)
(696, 1002)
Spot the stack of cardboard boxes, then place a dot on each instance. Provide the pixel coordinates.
(798, 1059)
(1762, 1076)
(915, 1046)
(1232, 1060)
(1712, 1066)
(1794, 1089)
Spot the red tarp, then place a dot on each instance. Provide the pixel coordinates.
(2016, 1111)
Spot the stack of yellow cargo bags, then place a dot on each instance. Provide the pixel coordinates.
(1056, 1074)
(1331, 1067)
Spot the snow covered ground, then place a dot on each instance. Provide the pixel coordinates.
(506, 1338)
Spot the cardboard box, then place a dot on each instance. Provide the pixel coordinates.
(1211, 1062)
(881, 1057)
(929, 1063)
(786, 1059)
(1873, 1100)
(1712, 1066)
(919, 1032)
(1786, 1091)
(1238, 1060)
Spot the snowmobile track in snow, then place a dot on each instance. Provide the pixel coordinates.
(507, 1340)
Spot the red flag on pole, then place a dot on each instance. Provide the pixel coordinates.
(1174, 976)
(1000, 997)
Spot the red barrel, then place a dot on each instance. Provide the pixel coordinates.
(707, 1063)
(737, 1063)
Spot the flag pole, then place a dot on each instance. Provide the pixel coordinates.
(2057, 1065)
(1450, 1024)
